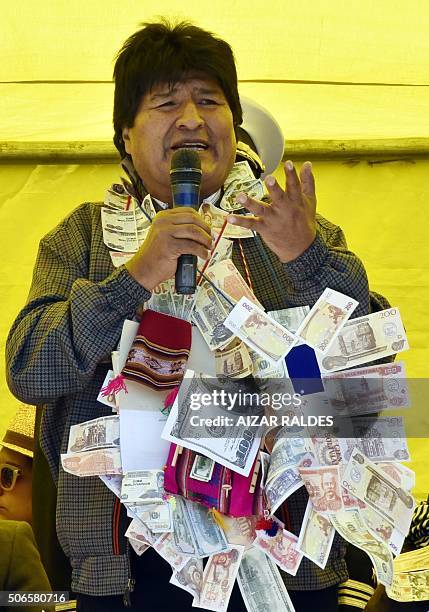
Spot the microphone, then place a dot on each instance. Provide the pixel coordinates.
(185, 178)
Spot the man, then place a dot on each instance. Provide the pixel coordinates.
(174, 87)
(16, 464)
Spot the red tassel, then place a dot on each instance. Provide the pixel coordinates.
(268, 525)
(171, 397)
(114, 386)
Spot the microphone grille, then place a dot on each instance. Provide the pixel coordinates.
(185, 158)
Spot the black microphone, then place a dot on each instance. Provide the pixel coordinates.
(185, 177)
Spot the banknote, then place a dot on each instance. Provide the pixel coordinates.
(162, 299)
(282, 549)
(113, 483)
(287, 452)
(116, 197)
(265, 464)
(140, 532)
(234, 447)
(323, 487)
(157, 518)
(120, 259)
(183, 534)
(190, 577)
(209, 316)
(378, 438)
(229, 280)
(215, 217)
(401, 474)
(218, 579)
(240, 530)
(281, 487)
(109, 399)
(291, 318)
(382, 529)
(165, 547)
(366, 481)
(316, 536)
(367, 389)
(97, 433)
(261, 584)
(325, 319)
(253, 187)
(138, 547)
(222, 251)
(351, 527)
(326, 447)
(93, 463)
(143, 487)
(365, 339)
(264, 368)
(195, 532)
(202, 468)
(412, 586)
(124, 230)
(259, 331)
(234, 361)
(208, 536)
(240, 171)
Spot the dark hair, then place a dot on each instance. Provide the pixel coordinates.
(163, 52)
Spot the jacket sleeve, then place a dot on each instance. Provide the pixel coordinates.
(328, 263)
(69, 323)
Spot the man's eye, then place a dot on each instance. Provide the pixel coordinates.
(166, 104)
(208, 102)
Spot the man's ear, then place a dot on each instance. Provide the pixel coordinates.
(126, 139)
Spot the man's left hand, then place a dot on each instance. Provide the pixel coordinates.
(288, 223)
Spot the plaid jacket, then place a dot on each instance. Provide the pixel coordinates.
(58, 352)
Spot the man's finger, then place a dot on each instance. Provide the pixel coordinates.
(183, 215)
(307, 180)
(248, 221)
(293, 186)
(254, 206)
(274, 189)
(191, 231)
(181, 246)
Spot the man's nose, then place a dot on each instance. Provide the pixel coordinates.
(189, 117)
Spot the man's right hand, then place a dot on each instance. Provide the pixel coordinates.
(174, 232)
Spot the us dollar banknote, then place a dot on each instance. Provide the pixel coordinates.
(261, 584)
(194, 530)
(192, 424)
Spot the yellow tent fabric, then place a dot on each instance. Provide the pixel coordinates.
(331, 73)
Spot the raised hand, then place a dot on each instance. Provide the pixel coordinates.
(288, 223)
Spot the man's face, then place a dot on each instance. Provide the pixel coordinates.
(16, 504)
(193, 114)
(329, 484)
